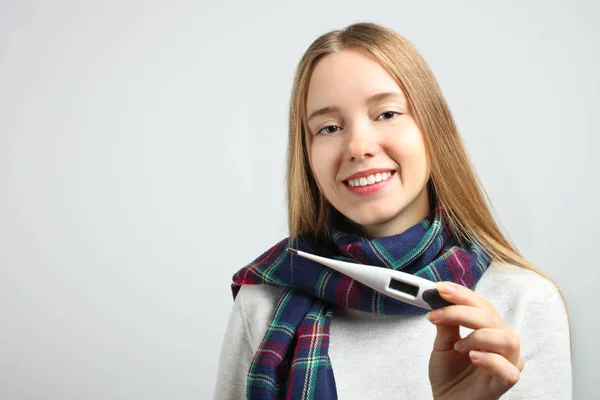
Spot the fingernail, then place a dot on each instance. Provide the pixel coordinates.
(446, 288)
(460, 345)
(435, 315)
(475, 355)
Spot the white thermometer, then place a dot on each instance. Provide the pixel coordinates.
(405, 287)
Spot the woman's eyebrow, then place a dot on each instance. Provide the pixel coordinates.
(371, 99)
(322, 111)
(384, 96)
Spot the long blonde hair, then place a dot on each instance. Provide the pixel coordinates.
(454, 183)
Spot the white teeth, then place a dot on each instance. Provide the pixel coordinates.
(369, 180)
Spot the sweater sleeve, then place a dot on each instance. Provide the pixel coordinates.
(546, 347)
(236, 356)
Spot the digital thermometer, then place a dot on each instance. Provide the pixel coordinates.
(405, 287)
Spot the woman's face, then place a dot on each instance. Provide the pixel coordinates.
(365, 149)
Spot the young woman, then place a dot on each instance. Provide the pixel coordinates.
(378, 175)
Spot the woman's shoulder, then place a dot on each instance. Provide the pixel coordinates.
(256, 304)
(259, 295)
(512, 279)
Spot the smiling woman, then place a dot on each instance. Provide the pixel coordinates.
(368, 129)
(378, 175)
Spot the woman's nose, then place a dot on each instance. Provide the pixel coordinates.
(361, 144)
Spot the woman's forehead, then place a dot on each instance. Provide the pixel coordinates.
(350, 76)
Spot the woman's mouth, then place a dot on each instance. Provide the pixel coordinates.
(369, 184)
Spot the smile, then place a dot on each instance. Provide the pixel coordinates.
(369, 179)
(370, 184)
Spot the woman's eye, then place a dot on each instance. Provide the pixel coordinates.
(328, 130)
(388, 115)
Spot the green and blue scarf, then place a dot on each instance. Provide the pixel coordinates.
(292, 361)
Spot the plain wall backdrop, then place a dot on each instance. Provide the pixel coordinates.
(142, 150)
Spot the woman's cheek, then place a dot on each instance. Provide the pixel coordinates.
(321, 160)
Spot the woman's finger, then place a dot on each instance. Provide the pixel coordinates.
(501, 341)
(445, 337)
(505, 374)
(467, 316)
(521, 363)
(458, 294)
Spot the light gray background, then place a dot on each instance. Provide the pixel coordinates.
(142, 163)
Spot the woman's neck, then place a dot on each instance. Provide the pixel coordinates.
(406, 218)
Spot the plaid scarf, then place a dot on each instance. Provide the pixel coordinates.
(292, 361)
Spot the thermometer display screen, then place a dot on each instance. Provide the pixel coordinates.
(404, 287)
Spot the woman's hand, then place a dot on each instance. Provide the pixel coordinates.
(483, 365)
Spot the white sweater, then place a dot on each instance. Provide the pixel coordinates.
(386, 356)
